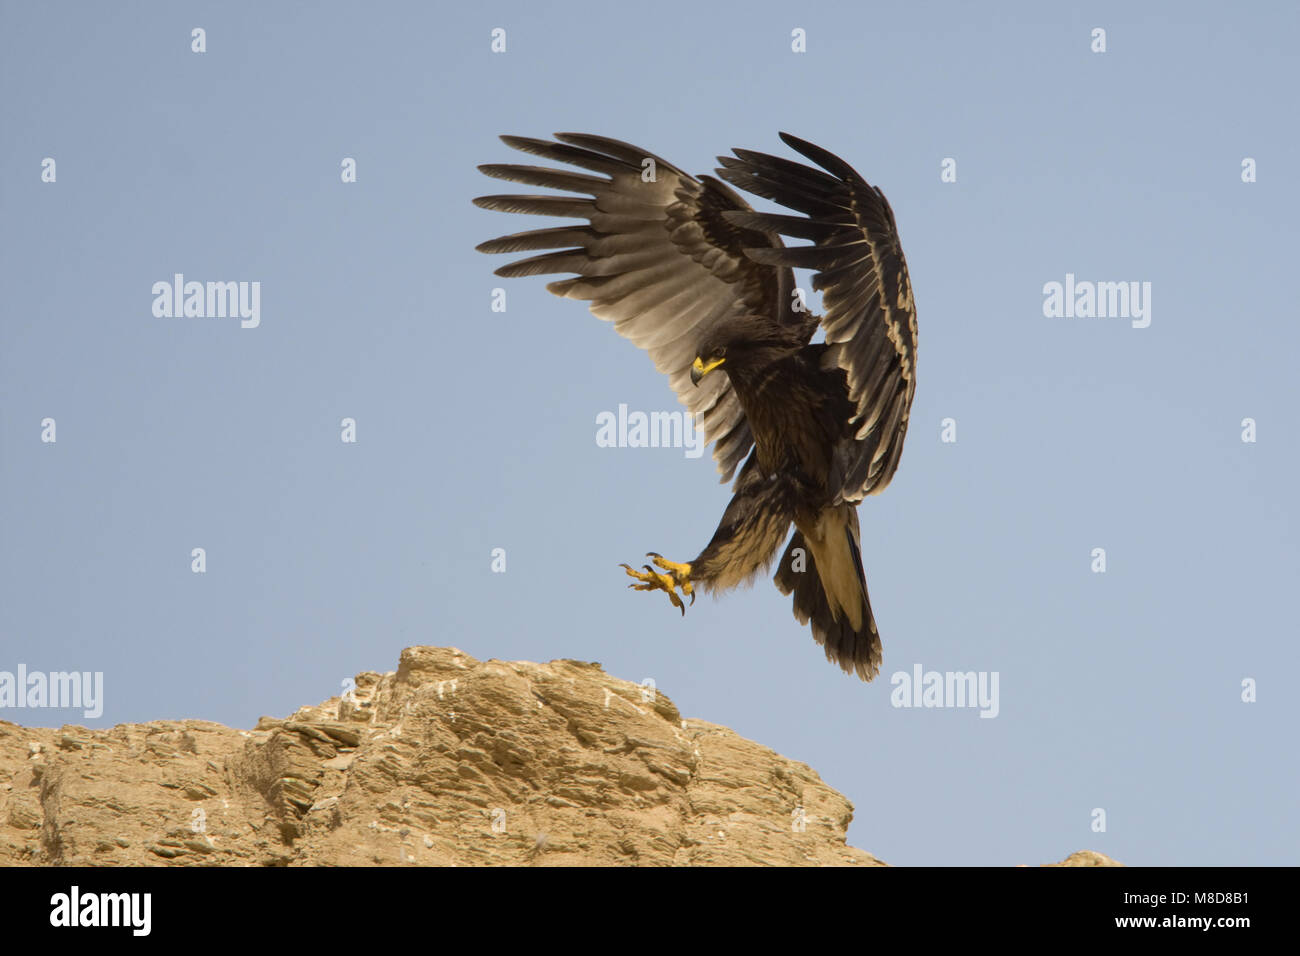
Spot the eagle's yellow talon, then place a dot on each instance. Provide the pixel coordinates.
(681, 573)
(678, 576)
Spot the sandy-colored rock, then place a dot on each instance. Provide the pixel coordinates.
(1086, 858)
(447, 761)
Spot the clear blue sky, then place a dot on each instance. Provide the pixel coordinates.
(476, 430)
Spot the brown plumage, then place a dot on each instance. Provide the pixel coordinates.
(689, 272)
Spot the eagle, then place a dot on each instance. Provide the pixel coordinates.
(688, 271)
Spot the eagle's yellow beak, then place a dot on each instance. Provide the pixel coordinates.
(699, 369)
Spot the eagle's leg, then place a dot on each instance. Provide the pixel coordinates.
(753, 527)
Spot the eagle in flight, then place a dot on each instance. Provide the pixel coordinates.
(687, 270)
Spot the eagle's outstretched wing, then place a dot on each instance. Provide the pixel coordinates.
(870, 318)
(657, 257)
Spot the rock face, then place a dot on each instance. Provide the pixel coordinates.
(448, 761)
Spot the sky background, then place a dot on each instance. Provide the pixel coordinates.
(476, 429)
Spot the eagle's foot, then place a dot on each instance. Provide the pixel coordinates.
(678, 576)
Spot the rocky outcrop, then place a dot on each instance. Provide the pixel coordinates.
(447, 761)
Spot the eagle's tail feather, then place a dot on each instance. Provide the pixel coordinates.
(854, 649)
